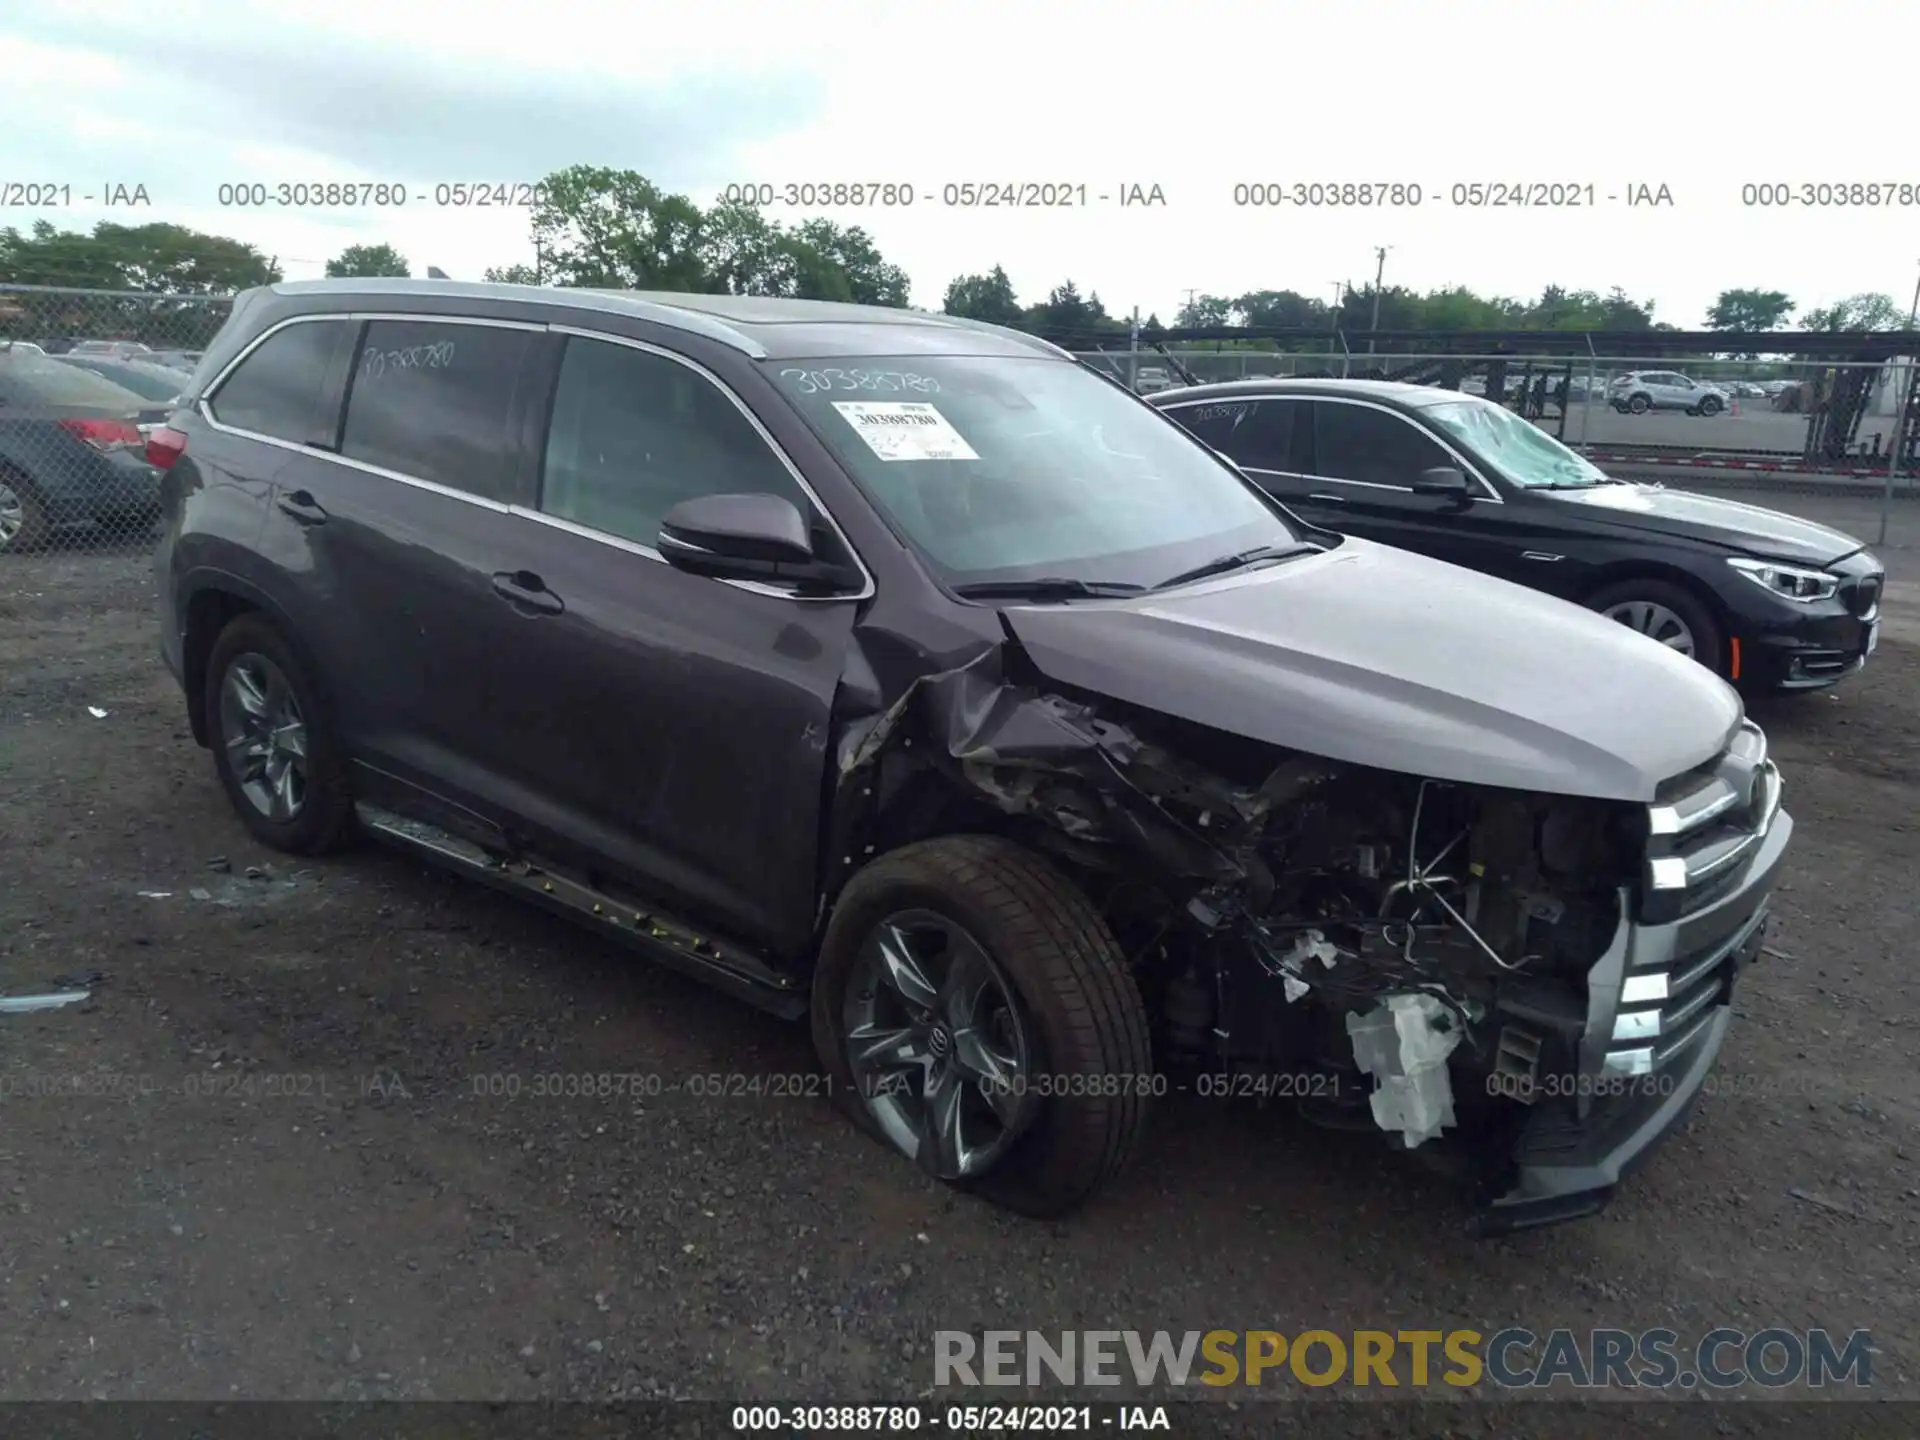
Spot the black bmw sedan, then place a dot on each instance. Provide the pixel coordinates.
(1767, 600)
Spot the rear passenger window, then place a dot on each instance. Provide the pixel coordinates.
(276, 390)
(434, 401)
(634, 434)
(1258, 434)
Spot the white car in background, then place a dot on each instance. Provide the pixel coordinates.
(1639, 391)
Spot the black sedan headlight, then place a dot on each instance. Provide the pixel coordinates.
(1791, 582)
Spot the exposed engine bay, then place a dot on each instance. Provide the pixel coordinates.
(1405, 951)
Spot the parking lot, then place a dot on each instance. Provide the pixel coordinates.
(1755, 428)
(276, 1153)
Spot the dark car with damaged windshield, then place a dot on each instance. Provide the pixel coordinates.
(897, 671)
(1769, 601)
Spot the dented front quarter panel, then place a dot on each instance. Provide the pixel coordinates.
(1030, 752)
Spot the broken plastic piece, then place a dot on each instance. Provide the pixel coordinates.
(1294, 986)
(96, 712)
(1403, 1043)
(26, 1004)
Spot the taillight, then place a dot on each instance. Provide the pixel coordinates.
(164, 446)
(104, 434)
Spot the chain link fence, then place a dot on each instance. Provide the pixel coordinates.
(1787, 414)
(85, 377)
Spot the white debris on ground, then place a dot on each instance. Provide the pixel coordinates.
(1403, 1044)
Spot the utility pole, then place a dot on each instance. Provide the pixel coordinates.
(1379, 270)
(1898, 447)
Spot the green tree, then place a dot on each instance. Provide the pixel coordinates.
(1203, 312)
(1857, 312)
(159, 258)
(368, 261)
(1749, 310)
(610, 229)
(1279, 309)
(513, 275)
(842, 263)
(986, 297)
(744, 253)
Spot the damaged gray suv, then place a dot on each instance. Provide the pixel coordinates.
(898, 672)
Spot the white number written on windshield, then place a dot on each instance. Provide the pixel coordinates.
(876, 382)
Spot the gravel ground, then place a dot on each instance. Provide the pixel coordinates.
(294, 1178)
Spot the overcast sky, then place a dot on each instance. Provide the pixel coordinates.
(1702, 98)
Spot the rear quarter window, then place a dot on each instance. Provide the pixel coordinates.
(277, 389)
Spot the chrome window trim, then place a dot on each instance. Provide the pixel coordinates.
(1487, 491)
(202, 405)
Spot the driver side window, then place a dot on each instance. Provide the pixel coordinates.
(634, 433)
(1371, 447)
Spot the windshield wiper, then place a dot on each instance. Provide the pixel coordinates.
(1239, 560)
(1049, 587)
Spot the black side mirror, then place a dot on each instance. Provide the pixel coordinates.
(1442, 480)
(735, 537)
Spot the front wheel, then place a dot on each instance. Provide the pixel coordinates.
(974, 1012)
(1663, 611)
(1709, 406)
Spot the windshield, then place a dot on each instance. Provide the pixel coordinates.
(1003, 469)
(1523, 453)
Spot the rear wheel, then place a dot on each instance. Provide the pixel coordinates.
(273, 744)
(974, 1012)
(1665, 612)
(23, 519)
(1639, 405)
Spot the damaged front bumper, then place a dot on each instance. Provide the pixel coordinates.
(1660, 1003)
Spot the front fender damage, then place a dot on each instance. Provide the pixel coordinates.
(1284, 913)
(1035, 754)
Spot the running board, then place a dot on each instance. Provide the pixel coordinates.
(719, 963)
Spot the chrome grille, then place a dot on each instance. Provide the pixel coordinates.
(1663, 1010)
(1706, 824)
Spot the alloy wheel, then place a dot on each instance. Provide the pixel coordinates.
(1656, 622)
(265, 736)
(937, 1044)
(13, 515)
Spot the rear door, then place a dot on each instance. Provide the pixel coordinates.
(1262, 435)
(397, 530)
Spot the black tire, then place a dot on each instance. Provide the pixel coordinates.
(34, 531)
(325, 821)
(1079, 999)
(1638, 404)
(1709, 645)
(1709, 406)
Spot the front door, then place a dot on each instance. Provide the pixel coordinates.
(1364, 458)
(674, 727)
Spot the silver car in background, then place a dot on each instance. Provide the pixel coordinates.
(1639, 391)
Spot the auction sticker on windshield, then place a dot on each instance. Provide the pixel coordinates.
(905, 430)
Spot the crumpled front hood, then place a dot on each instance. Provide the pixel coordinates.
(1378, 657)
(1750, 529)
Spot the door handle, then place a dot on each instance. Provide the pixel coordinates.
(527, 592)
(1329, 499)
(302, 507)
